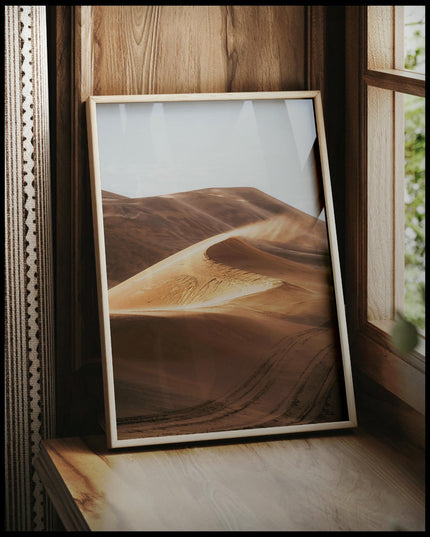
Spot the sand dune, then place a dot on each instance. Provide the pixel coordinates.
(218, 269)
(193, 279)
(235, 329)
(140, 232)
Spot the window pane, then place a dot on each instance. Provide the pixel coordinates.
(414, 303)
(414, 38)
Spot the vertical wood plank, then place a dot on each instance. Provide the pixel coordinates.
(380, 38)
(59, 57)
(316, 50)
(399, 45)
(356, 187)
(86, 338)
(333, 83)
(380, 202)
(265, 47)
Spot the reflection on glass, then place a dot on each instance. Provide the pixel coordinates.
(415, 210)
(414, 38)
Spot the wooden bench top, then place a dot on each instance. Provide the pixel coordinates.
(343, 481)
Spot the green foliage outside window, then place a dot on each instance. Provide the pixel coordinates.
(414, 308)
(404, 335)
(415, 210)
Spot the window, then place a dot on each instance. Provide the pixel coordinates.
(395, 165)
(385, 147)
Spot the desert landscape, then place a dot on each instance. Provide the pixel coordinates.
(222, 313)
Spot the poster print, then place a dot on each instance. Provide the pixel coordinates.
(219, 283)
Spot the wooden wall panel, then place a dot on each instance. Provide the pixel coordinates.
(189, 49)
(157, 49)
(137, 50)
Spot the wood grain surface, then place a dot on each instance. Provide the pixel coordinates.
(348, 482)
(380, 276)
(193, 49)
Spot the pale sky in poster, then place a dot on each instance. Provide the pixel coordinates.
(151, 149)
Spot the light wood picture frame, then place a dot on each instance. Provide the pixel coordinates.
(220, 293)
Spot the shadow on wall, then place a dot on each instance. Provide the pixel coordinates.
(85, 408)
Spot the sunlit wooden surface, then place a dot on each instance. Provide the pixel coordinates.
(345, 481)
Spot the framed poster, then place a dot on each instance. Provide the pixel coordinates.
(220, 295)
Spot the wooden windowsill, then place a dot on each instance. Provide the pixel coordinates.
(417, 357)
(347, 481)
(400, 375)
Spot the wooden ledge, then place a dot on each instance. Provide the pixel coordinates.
(334, 482)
